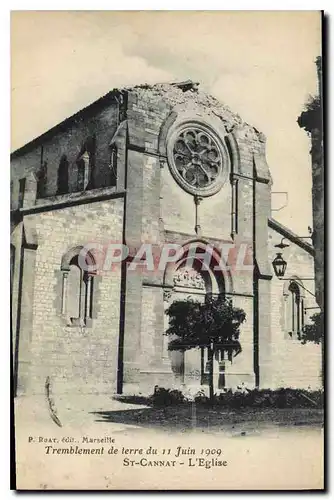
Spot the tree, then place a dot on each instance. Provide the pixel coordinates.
(313, 332)
(213, 325)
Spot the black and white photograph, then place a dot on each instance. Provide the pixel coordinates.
(167, 250)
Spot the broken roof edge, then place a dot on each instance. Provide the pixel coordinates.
(101, 101)
(193, 87)
(184, 86)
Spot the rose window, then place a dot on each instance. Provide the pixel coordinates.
(196, 160)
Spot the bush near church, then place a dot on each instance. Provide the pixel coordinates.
(255, 398)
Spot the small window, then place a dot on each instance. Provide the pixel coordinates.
(83, 164)
(74, 291)
(62, 185)
(77, 293)
(86, 164)
(41, 180)
(22, 183)
(295, 308)
(113, 166)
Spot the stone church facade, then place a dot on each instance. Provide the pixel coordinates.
(154, 165)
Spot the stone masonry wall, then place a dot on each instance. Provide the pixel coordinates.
(16, 239)
(78, 360)
(157, 209)
(293, 364)
(68, 141)
(167, 209)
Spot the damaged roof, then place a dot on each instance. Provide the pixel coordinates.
(175, 92)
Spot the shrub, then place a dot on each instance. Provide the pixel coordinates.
(255, 398)
(166, 397)
(202, 399)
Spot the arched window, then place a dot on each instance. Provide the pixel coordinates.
(295, 310)
(83, 164)
(77, 290)
(113, 166)
(42, 180)
(86, 164)
(62, 185)
(74, 285)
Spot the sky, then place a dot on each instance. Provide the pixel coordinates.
(259, 63)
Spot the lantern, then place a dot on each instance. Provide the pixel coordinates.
(279, 265)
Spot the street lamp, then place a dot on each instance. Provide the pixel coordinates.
(279, 265)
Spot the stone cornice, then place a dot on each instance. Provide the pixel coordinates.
(66, 200)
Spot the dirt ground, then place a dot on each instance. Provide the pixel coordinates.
(263, 449)
(104, 411)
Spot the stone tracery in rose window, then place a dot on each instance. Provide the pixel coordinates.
(197, 157)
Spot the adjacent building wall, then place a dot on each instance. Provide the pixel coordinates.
(293, 364)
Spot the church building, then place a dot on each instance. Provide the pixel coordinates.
(151, 165)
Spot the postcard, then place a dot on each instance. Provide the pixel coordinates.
(167, 250)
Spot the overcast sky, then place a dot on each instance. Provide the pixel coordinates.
(261, 64)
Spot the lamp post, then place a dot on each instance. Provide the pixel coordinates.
(280, 265)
